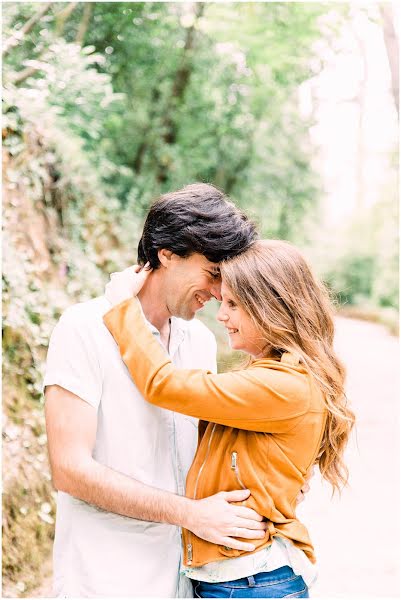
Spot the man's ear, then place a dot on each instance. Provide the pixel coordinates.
(165, 257)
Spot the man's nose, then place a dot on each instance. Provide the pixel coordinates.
(215, 290)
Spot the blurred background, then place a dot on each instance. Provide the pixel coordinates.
(291, 109)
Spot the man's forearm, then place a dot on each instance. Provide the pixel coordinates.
(71, 432)
(117, 493)
(213, 519)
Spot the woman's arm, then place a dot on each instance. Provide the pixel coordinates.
(265, 397)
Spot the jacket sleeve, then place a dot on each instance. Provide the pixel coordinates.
(267, 397)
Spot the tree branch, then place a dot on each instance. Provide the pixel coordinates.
(63, 15)
(61, 18)
(19, 35)
(83, 26)
(24, 74)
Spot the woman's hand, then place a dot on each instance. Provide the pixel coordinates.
(126, 284)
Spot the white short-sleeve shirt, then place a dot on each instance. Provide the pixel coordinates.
(102, 554)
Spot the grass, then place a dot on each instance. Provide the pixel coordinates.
(28, 497)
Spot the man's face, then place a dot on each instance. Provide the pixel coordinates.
(189, 284)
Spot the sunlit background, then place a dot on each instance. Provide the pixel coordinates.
(291, 109)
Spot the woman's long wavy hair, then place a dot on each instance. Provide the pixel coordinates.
(275, 286)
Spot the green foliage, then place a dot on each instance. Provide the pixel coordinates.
(385, 289)
(221, 96)
(203, 92)
(352, 280)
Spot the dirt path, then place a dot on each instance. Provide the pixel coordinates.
(357, 539)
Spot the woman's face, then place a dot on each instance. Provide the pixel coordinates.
(242, 332)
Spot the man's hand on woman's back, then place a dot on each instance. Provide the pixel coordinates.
(218, 520)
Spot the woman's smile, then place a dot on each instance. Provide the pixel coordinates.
(230, 330)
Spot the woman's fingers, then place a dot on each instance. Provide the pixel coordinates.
(127, 283)
(139, 268)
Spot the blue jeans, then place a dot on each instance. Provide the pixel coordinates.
(281, 583)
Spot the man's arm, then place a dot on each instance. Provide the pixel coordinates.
(71, 430)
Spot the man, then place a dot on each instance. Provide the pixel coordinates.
(118, 462)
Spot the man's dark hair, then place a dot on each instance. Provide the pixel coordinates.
(199, 218)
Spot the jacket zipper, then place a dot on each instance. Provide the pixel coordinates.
(235, 468)
(189, 545)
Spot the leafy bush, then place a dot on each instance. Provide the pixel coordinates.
(352, 279)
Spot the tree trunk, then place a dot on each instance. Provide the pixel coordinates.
(144, 145)
(283, 224)
(179, 87)
(392, 48)
(360, 143)
(228, 180)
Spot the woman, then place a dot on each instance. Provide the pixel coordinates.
(262, 427)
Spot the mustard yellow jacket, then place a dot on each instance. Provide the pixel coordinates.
(260, 429)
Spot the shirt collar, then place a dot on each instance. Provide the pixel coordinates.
(178, 330)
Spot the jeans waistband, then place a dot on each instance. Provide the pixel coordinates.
(277, 576)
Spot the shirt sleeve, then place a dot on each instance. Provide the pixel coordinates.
(266, 397)
(73, 360)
